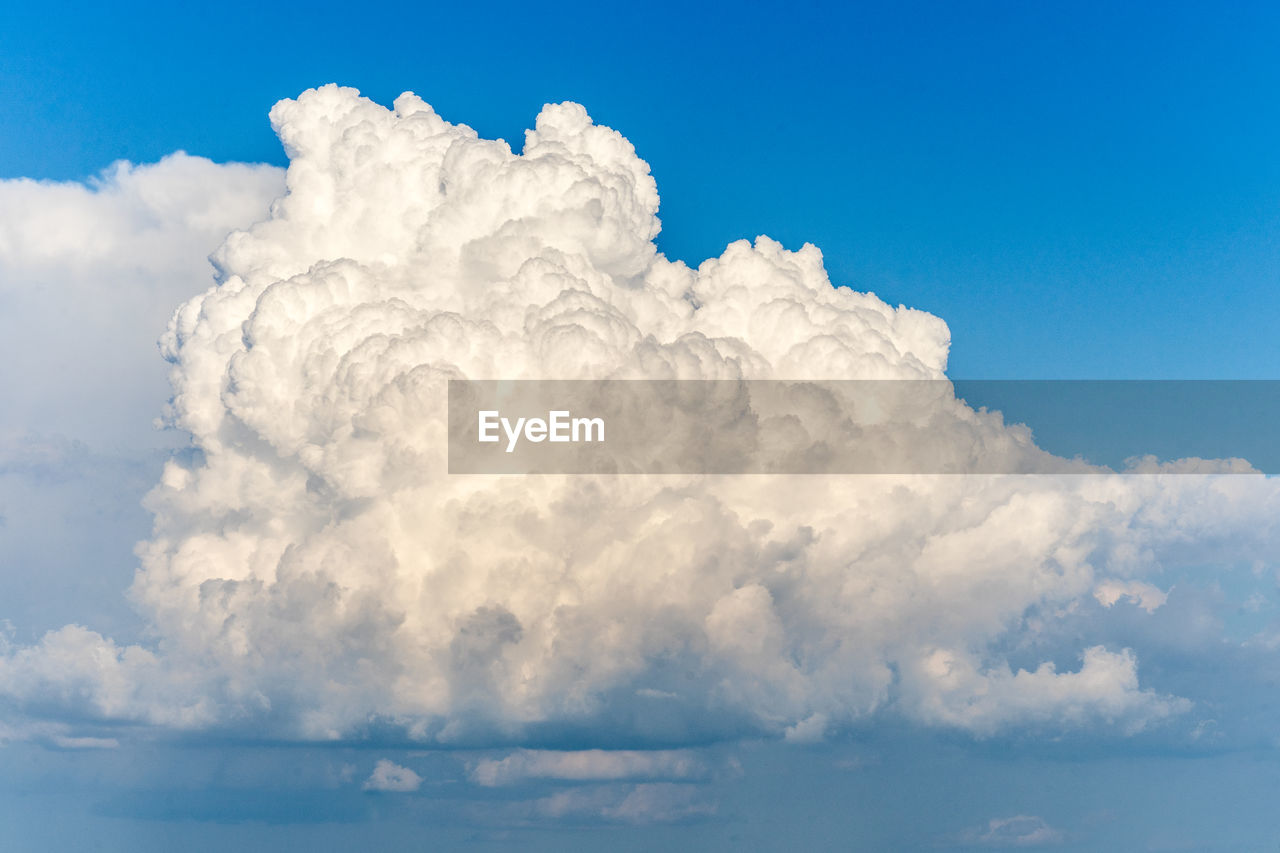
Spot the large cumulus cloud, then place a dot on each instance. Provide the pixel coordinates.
(315, 572)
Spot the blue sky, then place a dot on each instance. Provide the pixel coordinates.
(1078, 190)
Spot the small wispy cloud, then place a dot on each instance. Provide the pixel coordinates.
(594, 765)
(1144, 595)
(391, 777)
(65, 742)
(1016, 831)
(647, 803)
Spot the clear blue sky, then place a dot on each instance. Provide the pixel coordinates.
(1083, 190)
(1080, 189)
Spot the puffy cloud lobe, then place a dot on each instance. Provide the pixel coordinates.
(389, 776)
(315, 571)
(1146, 596)
(952, 690)
(74, 667)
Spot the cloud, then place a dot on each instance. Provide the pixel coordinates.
(810, 729)
(64, 742)
(389, 776)
(953, 690)
(314, 571)
(587, 765)
(89, 275)
(1144, 595)
(76, 671)
(654, 802)
(1017, 831)
(53, 734)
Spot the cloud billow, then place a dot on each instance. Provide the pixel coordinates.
(315, 570)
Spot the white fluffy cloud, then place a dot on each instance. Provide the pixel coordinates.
(389, 776)
(314, 570)
(89, 275)
(1146, 596)
(947, 687)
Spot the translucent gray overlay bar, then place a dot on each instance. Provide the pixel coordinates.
(863, 426)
